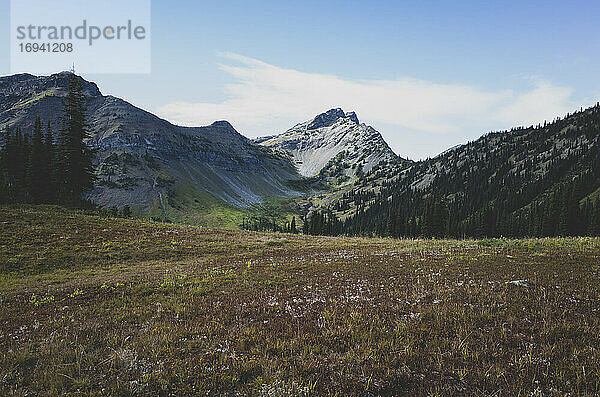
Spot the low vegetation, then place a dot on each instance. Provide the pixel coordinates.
(102, 306)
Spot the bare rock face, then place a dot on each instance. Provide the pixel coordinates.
(334, 144)
(141, 158)
(330, 117)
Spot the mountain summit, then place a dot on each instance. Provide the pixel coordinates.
(330, 117)
(334, 144)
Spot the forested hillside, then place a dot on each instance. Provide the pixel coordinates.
(537, 181)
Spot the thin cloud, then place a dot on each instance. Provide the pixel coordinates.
(421, 118)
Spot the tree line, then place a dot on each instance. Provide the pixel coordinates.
(269, 224)
(560, 215)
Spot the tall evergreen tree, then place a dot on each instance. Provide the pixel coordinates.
(37, 177)
(427, 223)
(75, 169)
(440, 217)
(50, 161)
(16, 167)
(4, 186)
(391, 223)
(400, 224)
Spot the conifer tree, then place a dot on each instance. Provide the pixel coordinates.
(4, 186)
(50, 161)
(391, 224)
(36, 167)
(427, 220)
(16, 167)
(440, 218)
(400, 224)
(75, 170)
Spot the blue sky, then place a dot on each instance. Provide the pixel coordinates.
(426, 74)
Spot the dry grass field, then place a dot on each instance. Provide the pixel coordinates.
(100, 306)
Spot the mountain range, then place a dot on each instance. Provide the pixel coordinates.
(213, 175)
(175, 173)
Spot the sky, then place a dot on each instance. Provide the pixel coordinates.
(426, 74)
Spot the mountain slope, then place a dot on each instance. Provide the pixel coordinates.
(335, 145)
(527, 181)
(144, 161)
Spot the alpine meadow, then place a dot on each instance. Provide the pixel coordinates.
(247, 227)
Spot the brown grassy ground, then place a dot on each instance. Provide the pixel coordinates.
(103, 306)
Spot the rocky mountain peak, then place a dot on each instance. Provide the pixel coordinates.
(329, 118)
(222, 130)
(352, 116)
(29, 85)
(224, 124)
(334, 144)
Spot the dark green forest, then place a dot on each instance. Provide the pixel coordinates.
(47, 168)
(527, 182)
